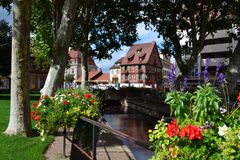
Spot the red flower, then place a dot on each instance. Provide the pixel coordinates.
(33, 115)
(65, 102)
(172, 128)
(46, 96)
(92, 100)
(192, 132)
(37, 118)
(35, 104)
(87, 95)
(238, 98)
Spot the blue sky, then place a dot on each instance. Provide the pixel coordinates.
(144, 35)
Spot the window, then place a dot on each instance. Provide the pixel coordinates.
(139, 66)
(72, 71)
(140, 76)
(117, 71)
(128, 68)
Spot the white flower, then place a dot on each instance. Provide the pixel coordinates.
(222, 130)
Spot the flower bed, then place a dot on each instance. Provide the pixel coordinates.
(64, 109)
(201, 127)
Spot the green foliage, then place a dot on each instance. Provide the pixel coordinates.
(69, 78)
(206, 102)
(26, 148)
(103, 26)
(230, 147)
(42, 29)
(201, 131)
(195, 20)
(5, 48)
(6, 4)
(180, 104)
(64, 109)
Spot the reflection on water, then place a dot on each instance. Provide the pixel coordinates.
(133, 124)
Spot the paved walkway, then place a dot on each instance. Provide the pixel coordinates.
(109, 148)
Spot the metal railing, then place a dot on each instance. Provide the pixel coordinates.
(103, 127)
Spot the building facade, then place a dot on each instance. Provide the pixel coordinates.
(74, 64)
(142, 66)
(166, 70)
(115, 72)
(217, 50)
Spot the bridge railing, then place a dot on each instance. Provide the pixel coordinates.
(95, 124)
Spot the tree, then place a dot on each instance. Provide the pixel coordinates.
(232, 73)
(193, 20)
(69, 78)
(5, 48)
(20, 122)
(59, 27)
(102, 27)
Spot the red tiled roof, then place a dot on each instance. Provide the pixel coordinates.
(138, 52)
(77, 54)
(116, 66)
(93, 74)
(103, 78)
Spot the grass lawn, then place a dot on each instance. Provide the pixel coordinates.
(18, 147)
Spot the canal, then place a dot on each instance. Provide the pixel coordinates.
(132, 123)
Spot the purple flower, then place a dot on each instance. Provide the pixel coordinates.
(205, 75)
(220, 78)
(198, 74)
(207, 63)
(207, 124)
(218, 65)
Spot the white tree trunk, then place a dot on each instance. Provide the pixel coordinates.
(64, 34)
(20, 122)
(84, 68)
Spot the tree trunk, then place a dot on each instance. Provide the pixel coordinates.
(56, 72)
(84, 67)
(233, 69)
(20, 122)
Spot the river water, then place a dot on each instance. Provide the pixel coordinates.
(132, 123)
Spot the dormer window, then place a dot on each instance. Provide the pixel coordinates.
(130, 58)
(139, 50)
(141, 57)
